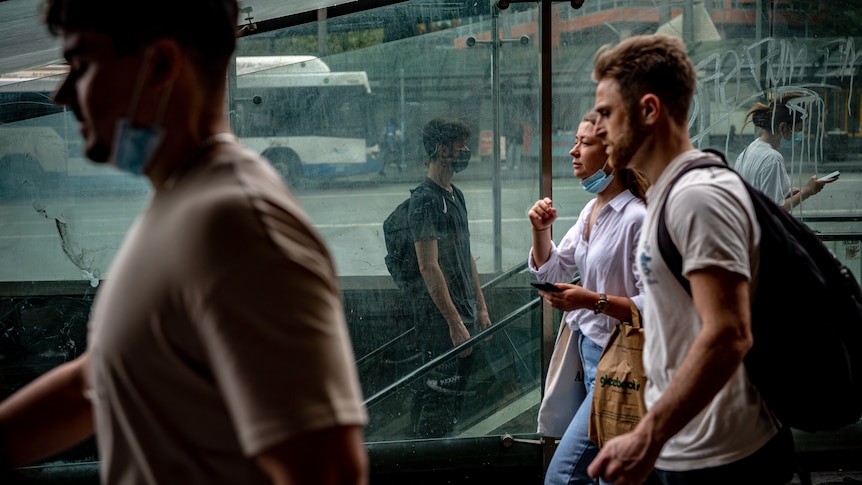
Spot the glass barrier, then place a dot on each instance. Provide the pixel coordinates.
(501, 385)
(63, 217)
(339, 106)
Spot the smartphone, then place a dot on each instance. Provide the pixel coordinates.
(545, 286)
(833, 175)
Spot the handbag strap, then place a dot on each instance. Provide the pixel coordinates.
(636, 314)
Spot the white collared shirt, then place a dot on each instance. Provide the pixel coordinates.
(606, 263)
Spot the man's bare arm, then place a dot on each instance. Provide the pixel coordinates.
(432, 274)
(484, 318)
(722, 302)
(48, 415)
(333, 456)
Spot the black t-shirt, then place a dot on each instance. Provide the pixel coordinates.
(435, 213)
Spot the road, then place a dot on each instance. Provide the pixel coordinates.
(60, 238)
(33, 248)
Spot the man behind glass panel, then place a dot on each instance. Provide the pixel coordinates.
(449, 306)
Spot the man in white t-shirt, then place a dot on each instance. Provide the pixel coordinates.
(218, 350)
(706, 423)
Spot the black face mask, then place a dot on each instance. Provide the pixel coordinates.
(461, 161)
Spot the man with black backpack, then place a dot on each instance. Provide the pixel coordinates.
(706, 422)
(446, 299)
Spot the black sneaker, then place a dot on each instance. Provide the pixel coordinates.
(454, 386)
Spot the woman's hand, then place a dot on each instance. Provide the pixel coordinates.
(571, 298)
(543, 214)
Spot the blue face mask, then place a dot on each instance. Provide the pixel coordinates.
(796, 140)
(598, 181)
(134, 147)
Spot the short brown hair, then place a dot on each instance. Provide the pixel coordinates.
(657, 64)
(206, 29)
(442, 131)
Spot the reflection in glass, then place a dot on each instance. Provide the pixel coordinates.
(319, 98)
(306, 119)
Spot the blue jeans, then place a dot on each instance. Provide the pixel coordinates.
(575, 451)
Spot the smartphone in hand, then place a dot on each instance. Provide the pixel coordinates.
(545, 286)
(833, 175)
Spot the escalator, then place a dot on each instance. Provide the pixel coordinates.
(500, 397)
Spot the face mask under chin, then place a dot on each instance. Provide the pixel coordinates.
(598, 181)
(134, 148)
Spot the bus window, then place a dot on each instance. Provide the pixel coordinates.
(307, 120)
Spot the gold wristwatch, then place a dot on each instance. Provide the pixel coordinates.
(603, 304)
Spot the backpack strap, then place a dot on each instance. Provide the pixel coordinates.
(667, 248)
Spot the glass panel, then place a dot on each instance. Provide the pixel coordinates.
(345, 129)
(62, 221)
(65, 217)
(499, 397)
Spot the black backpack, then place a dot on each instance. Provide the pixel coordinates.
(806, 316)
(400, 252)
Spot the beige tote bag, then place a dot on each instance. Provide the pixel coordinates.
(564, 384)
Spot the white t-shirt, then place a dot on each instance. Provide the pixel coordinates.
(711, 220)
(606, 262)
(219, 332)
(763, 167)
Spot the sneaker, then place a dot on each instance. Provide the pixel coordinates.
(451, 385)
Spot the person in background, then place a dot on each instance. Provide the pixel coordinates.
(706, 424)
(762, 165)
(601, 247)
(514, 135)
(391, 143)
(450, 306)
(217, 351)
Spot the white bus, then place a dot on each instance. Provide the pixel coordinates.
(41, 151)
(307, 120)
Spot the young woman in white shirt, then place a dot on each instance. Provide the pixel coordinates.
(601, 248)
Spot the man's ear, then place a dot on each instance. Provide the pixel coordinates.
(166, 60)
(650, 108)
(442, 151)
